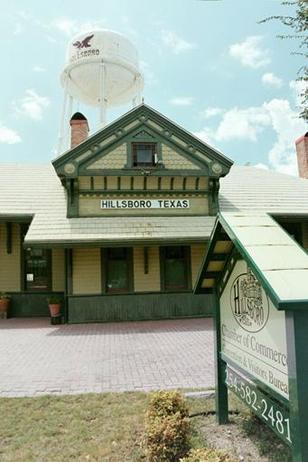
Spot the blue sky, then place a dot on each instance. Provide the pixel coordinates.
(208, 65)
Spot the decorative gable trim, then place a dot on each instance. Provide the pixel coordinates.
(68, 164)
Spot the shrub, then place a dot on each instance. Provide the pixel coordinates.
(167, 427)
(207, 455)
(54, 300)
(165, 403)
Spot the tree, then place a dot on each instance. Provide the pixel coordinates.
(299, 24)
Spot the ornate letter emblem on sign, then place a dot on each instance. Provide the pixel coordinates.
(249, 302)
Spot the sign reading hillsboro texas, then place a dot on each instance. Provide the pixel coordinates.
(145, 204)
(253, 341)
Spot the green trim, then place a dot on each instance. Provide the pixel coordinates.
(48, 272)
(72, 197)
(138, 171)
(279, 304)
(104, 271)
(9, 237)
(142, 113)
(162, 258)
(16, 218)
(130, 192)
(258, 383)
(296, 328)
(221, 395)
(112, 243)
(30, 304)
(138, 306)
(146, 260)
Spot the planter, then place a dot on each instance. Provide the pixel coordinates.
(4, 305)
(55, 309)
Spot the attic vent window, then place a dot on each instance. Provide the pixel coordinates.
(144, 154)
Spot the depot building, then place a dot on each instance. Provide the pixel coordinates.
(119, 224)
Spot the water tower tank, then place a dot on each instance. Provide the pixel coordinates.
(102, 68)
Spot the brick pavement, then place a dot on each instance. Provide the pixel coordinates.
(37, 358)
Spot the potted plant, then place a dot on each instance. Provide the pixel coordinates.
(4, 302)
(54, 304)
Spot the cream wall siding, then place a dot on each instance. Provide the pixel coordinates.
(146, 282)
(86, 271)
(10, 263)
(197, 254)
(58, 273)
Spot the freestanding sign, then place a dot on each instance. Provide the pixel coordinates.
(254, 349)
(259, 277)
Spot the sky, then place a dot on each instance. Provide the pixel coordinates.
(208, 65)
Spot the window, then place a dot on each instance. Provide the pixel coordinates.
(175, 268)
(143, 154)
(37, 268)
(118, 270)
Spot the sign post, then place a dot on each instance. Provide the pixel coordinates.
(261, 326)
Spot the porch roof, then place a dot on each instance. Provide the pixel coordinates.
(276, 258)
(33, 191)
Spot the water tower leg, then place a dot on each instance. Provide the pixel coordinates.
(103, 95)
(63, 121)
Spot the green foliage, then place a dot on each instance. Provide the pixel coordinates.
(207, 455)
(4, 296)
(54, 300)
(166, 403)
(167, 427)
(299, 25)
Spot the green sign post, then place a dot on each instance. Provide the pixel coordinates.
(261, 324)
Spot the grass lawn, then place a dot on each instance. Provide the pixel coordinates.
(99, 427)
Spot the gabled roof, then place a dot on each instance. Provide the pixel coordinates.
(276, 259)
(137, 118)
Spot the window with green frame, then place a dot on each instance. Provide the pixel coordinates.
(175, 268)
(118, 270)
(37, 270)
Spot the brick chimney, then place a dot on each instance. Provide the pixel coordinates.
(79, 129)
(302, 155)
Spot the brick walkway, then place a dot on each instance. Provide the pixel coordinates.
(37, 358)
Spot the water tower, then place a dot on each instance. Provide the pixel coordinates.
(101, 70)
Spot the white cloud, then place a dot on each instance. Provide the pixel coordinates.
(298, 87)
(271, 79)
(241, 124)
(249, 123)
(31, 105)
(182, 101)
(250, 52)
(176, 43)
(288, 127)
(66, 25)
(39, 69)
(9, 136)
(149, 76)
(262, 166)
(71, 27)
(212, 112)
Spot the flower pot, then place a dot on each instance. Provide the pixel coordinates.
(55, 309)
(4, 305)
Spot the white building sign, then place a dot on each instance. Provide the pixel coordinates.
(253, 331)
(145, 204)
